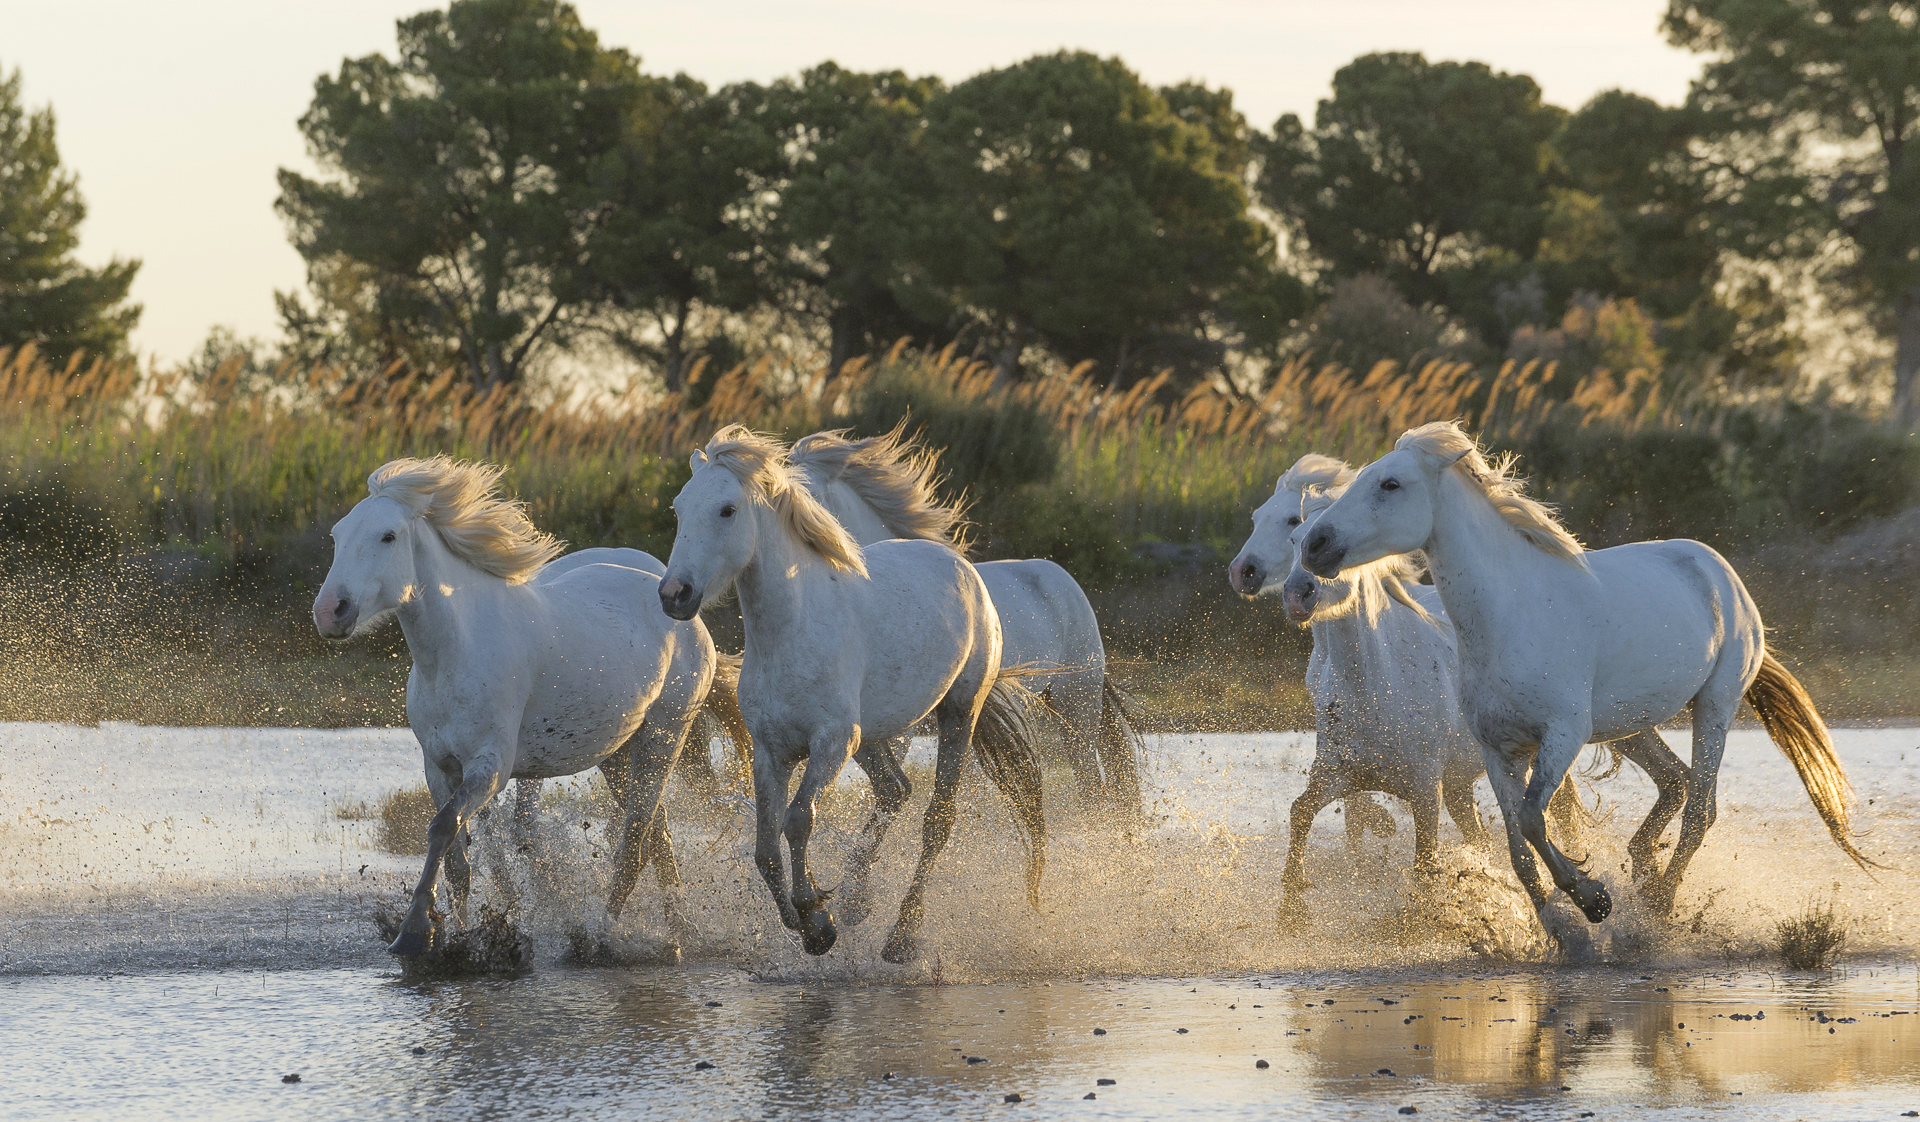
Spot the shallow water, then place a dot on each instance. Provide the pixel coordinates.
(183, 921)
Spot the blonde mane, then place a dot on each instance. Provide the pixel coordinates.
(762, 466)
(461, 501)
(1315, 470)
(897, 477)
(1390, 574)
(1446, 441)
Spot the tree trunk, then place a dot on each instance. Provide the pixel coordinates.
(676, 371)
(1906, 359)
(845, 325)
(1119, 379)
(1007, 366)
(498, 373)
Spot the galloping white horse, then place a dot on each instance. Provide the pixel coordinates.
(844, 649)
(1381, 677)
(882, 487)
(1560, 646)
(523, 666)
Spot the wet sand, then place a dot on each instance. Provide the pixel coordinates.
(184, 921)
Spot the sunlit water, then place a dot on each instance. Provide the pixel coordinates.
(184, 921)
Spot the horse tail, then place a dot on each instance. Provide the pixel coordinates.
(723, 703)
(1004, 740)
(1122, 749)
(1795, 725)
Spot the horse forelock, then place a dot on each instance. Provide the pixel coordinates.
(763, 466)
(1535, 520)
(897, 477)
(1315, 470)
(460, 499)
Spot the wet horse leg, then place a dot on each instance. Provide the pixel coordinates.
(1559, 746)
(1711, 717)
(1648, 749)
(956, 742)
(1324, 785)
(828, 752)
(771, 776)
(479, 783)
(880, 759)
(1456, 790)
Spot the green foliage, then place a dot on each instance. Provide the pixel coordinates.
(1785, 76)
(47, 297)
(681, 224)
(1427, 173)
(1069, 205)
(987, 449)
(1367, 320)
(459, 180)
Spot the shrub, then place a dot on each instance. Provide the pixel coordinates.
(1810, 940)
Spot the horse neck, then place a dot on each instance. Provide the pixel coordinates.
(437, 614)
(769, 586)
(1353, 647)
(856, 514)
(1479, 562)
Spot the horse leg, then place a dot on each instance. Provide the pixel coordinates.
(771, 776)
(1649, 751)
(666, 870)
(1323, 786)
(479, 783)
(1504, 774)
(956, 741)
(696, 759)
(1456, 790)
(828, 752)
(1075, 695)
(1363, 814)
(650, 753)
(1559, 747)
(1569, 817)
(880, 759)
(1425, 806)
(1711, 718)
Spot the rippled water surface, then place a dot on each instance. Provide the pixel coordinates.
(184, 922)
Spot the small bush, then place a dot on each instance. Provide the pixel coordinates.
(1810, 940)
(404, 815)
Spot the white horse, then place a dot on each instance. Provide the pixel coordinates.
(523, 666)
(1381, 677)
(883, 487)
(1560, 646)
(844, 649)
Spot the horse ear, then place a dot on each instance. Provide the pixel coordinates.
(698, 459)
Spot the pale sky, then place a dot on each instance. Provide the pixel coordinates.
(176, 115)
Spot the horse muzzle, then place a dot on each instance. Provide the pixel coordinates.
(1246, 575)
(1298, 596)
(1323, 554)
(678, 599)
(334, 616)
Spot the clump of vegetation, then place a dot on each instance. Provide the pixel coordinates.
(1810, 940)
(403, 816)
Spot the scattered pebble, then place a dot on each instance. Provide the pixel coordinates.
(1384, 1071)
(1261, 1064)
(1090, 1095)
(295, 1077)
(1013, 1098)
(1183, 1032)
(888, 1075)
(713, 1005)
(976, 1059)
(1409, 1110)
(1104, 1082)
(703, 1065)
(419, 1051)
(1099, 1032)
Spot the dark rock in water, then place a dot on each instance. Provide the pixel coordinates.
(1014, 1098)
(713, 1005)
(976, 1059)
(1104, 1082)
(1089, 1095)
(294, 1078)
(419, 1051)
(703, 1066)
(1409, 1110)
(492, 946)
(1182, 1032)
(1262, 1064)
(1383, 1071)
(1099, 1032)
(888, 1075)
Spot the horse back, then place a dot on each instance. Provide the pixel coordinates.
(1045, 617)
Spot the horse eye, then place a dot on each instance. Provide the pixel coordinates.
(727, 511)
(1294, 521)
(1389, 484)
(387, 537)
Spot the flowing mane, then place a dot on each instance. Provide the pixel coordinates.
(1315, 470)
(762, 466)
(1392, 573)
(1534, 519)
(895, 476)
(461, 501)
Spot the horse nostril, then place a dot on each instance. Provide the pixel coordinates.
(1318, 541)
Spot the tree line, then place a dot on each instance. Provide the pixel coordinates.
(506, 190)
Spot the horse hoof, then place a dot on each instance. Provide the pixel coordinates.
(900, 949)
(819, 935)
(410, 944)
(1599, 907)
